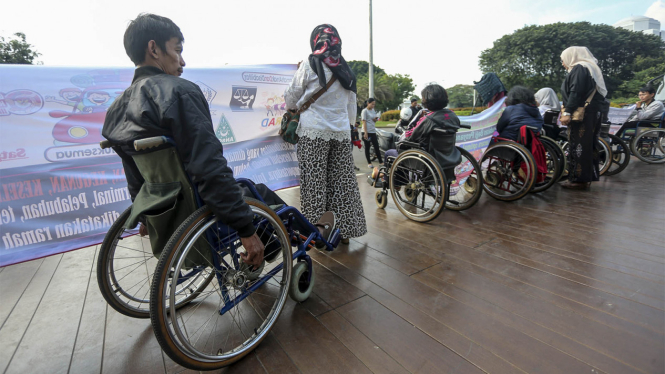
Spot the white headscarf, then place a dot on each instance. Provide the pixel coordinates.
(547, 96)
(572, 56)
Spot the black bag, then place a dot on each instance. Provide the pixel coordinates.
(291, 118)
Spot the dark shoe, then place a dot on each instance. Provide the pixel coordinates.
(345, 240)
(575, 185)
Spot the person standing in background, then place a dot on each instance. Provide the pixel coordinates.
(369, 118)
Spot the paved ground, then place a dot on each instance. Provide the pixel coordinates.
(558, 282)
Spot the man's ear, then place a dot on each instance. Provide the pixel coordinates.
(152, 50)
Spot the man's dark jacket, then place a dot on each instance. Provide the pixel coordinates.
(160, 104)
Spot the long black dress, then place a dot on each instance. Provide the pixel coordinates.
(582, 135)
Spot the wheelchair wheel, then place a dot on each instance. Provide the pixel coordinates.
(620, 155)
(467, 187)
(418, 186)
(604, 155)
(563, 160)
(302, 282)
(509, 171)
(381, 198)
(125, 267)
(234, 313)
(552, 158)
(649, 146)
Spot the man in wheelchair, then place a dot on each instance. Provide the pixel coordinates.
(159, 103)
(435, 117)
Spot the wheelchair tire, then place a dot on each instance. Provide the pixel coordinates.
(495, 182)
(417, 171)
(604, 155)
(648, 146)
(381, 198)
(472, 186)
(125, 262)
(300, 288)
(620, 155)
(553, 168)
(245, 318)
(563, 160)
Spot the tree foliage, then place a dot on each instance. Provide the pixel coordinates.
(16, 50)
(460, 96)
(390, 90)
(531, 56)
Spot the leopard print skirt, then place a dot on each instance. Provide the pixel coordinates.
(328, 182)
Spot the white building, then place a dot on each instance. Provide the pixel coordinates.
(641, 23)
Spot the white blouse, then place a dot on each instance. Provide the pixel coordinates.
(331, 115)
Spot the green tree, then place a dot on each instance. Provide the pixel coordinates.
(16, 50)
(389, 90)
(531, 56)
(460, 96)
(645, 68)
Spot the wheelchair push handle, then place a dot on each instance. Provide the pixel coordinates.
(155, 141)
(105, 144)
(465, 126)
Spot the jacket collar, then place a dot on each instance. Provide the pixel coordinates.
(145, 72)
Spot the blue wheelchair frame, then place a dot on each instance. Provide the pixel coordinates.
(288, 215)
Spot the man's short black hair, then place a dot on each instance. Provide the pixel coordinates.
(370, 100)
(147, 27)
(521, 95)
(648, 89)
(434, 97)
(414, 100)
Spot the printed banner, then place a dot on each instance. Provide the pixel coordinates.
(476, 140)
(60, 191)
(618, 116)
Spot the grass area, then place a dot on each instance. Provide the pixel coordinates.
(385, 123)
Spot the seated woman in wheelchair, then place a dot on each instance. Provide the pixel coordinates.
(521, 110)
(435, 116)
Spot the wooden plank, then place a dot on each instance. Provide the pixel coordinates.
(513, 346)
(89, 348)
(13, 284)
(18, 321)
(624, 308)
(273, 358)
(332, 289)
(464, 347)
(58, 314)
(412, 348)
(594, 343)
(311, 346)
(373, 356)
(130, 346)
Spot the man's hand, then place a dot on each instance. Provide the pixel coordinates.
(638, 104)
(565, 120)
(365, 135)
(300, 62)
(254, 250)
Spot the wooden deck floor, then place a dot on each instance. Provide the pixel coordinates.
(560, 282)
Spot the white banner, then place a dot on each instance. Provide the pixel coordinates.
(60, 191)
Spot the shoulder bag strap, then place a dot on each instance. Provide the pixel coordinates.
(588, 100)
(318, 94)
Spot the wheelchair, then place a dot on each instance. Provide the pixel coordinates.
(510, 171)
(646, 147)
(208, 308)
(607, 146)
(421, 188)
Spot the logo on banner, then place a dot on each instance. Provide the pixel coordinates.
(208, 92)
(224, 131)
(17, 154)
(266, 78)
(242, 98)
(20, 102)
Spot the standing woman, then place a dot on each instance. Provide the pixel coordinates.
(584, 80)
(327, 179)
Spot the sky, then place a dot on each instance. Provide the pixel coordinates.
(432, 41)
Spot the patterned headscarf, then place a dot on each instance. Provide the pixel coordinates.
(327, 49)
